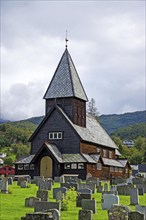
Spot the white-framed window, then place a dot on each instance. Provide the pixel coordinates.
(120, 170)
(20, 166)
(67, 166)
(73, 165)
(31, 166)
(116, 169)
(26, 166)
(98, 150)
(80, 166)
(110, 154)
(99, 166)
(104, 153)
(112, 169)
(55, 135)
(126, 170)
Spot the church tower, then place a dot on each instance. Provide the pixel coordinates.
(66, 90)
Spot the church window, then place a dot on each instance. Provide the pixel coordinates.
(110, 154)
(67, 166)
(104, 153)
(55, 135)
(116, 169)
(20, 166)
(26, 166)
(112, 169)
(32, 166)
(99, 166)
(73, 166)
(80, 166)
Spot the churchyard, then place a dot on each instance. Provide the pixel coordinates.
(90, 200)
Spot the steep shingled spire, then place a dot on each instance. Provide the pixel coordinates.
(65, 82)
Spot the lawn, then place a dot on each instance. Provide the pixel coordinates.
(12, 205)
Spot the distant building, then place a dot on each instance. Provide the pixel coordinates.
(3, 155)
(7, 170)
(69, 141)
(128, 143)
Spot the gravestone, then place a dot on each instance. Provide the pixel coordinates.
(90, 185)
(1, 183)
(10, 180)
(45, 185)
(80, 197)
(124, 189)
(21, 179)
(118, 212)
(85, 215)
(55, 190)
(70, 185)
(89, 175)
(43, 195)
(108, 200)
(38, 216)
(134, 215)
(89, 204)
(56, 179)
(141, 209)
(99, 189)
(30, 202)
(106, 187)
(141, 191)
(134, 199)
(113, 188)
(59, 196)
(85, 191)
(45, 206)
(23, 184)
(4, 188)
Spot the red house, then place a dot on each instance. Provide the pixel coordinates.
(7, 170)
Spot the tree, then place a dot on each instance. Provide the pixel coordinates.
(92, 109)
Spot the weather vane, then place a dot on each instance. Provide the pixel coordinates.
(66, 39)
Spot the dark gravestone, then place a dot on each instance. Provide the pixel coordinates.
(135, 216)
(43, 195)
(80, 197)
(118, 212)
(85, 215)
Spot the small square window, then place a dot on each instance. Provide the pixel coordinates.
(26, 166)
(80, 166)
(99, 166)
(20, 166)
(31, 166)
(67, 166)
(73, 166)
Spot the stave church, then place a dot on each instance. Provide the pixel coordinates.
(68, 140)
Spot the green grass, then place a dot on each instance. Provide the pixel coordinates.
(12, 205)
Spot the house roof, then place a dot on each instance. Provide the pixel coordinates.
(55, 151)
(117, 153)
(123, 161)
(73, 158)
(111, 162)
(25, 160)
(65, 82)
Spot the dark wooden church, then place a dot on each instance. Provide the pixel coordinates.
(69, 141)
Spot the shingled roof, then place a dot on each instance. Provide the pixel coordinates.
(65, 82)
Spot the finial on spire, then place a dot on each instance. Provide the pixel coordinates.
(66, 39)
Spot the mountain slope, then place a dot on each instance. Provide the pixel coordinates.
(113, 122)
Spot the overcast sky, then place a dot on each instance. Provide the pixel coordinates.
(106, 43)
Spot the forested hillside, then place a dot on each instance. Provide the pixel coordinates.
(113, 122)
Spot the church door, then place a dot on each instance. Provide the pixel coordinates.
(46, 167)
